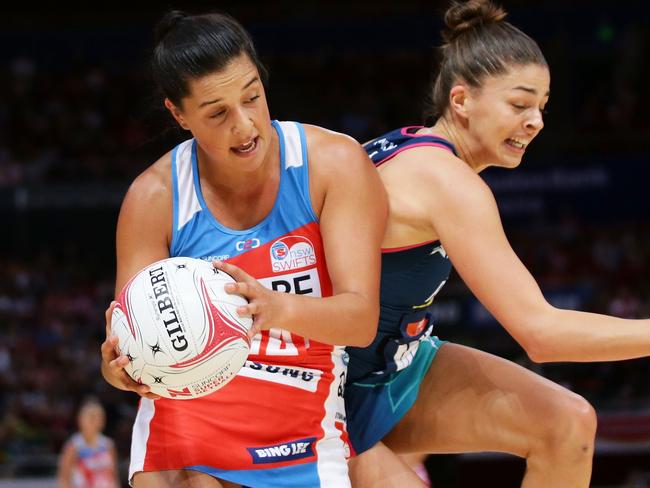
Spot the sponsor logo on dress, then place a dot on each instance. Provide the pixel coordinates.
(302, 378)
(247, 244)
(414, 329)
(217, 257)
(292, 252)
(289, 451)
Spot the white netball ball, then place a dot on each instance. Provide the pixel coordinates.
(180, 329)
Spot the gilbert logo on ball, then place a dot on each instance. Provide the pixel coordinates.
(180, 329)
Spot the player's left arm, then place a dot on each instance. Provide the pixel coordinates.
(349, 198)
(112, 451)
(353, 213)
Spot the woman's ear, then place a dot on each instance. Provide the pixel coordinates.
(458, 100)
(176, 113)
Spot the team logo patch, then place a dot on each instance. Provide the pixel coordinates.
(279, 251)
(292, 252)
(289, 451)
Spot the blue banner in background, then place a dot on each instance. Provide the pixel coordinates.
(606, 189)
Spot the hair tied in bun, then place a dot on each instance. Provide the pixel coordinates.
(464, 16)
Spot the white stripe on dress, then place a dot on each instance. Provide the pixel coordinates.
(140, 436)
(188, 202)
(292, 146)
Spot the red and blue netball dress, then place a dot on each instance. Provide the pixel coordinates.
(384, 378)
(94, 466)
(281, 420)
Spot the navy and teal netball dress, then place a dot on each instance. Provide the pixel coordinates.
(384, 378)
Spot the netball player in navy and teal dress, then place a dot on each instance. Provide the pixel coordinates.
(384, 378)
(409, 389)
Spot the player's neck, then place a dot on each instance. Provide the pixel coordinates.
(91, 438)
(449, 130)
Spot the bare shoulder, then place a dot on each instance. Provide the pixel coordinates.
(331, 151)
(147, 205)
(337, 162)
(69, 449)
(154, 185)
(436, 174)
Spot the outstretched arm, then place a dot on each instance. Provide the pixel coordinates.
(465, 217)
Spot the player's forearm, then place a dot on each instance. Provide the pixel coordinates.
(569, 335)
(65, 472)
(347, 319)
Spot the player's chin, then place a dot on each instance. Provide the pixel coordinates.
(510, 161)
(511, 157)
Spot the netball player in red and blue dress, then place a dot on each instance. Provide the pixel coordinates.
(410, 390)
(88, 458)
(281, 201)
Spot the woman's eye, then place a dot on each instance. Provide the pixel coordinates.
(252, 99)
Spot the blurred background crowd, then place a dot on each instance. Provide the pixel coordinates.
(79, 119)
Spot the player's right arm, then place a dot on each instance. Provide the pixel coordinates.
(143, 235)
(66, 463)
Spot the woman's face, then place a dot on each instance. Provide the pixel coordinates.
(228, 115)
(505, 114)
(91, 419)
